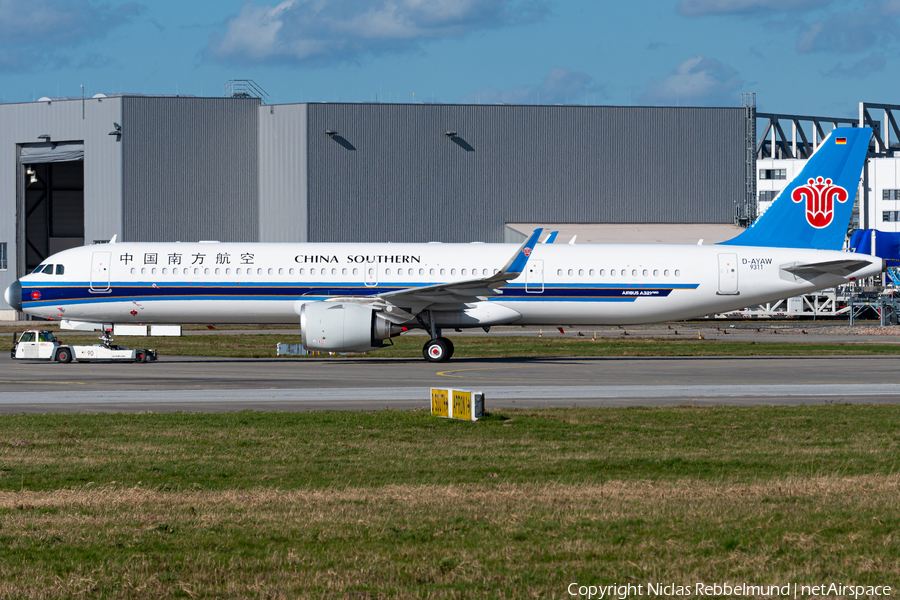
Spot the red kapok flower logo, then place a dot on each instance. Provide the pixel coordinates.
(820, 196)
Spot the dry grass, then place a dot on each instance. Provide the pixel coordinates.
(398, 504)
(410, 541)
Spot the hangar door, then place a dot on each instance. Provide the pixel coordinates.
(51, 200)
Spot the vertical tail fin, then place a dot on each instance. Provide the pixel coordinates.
(813, 210)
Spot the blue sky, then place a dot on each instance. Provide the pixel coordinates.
(813, 57)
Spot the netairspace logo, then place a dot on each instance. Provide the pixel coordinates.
(790, 590)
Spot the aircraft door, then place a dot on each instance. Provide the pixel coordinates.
(370, 274)
(100, 263)
(728, 274)
(534, 277)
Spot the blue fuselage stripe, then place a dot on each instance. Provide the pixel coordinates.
(45, 294)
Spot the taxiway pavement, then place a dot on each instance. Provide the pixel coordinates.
(222, 384)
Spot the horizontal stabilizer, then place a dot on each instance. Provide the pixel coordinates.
(831, 267)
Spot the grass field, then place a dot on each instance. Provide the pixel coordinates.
(401, 504)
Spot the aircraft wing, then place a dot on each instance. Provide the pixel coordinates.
(831, 267)
(459, 292)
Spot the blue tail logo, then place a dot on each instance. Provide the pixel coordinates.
(814, 209)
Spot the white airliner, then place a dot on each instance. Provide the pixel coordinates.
(353, 297)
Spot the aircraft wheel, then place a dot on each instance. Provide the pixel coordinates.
(436, 350)
(64, 356)
(450, 348)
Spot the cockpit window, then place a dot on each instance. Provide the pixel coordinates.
(39, 268)
(60, 270)
(48, 269)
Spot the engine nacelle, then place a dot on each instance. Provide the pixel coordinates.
(343, 327)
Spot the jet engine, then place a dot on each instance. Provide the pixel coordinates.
(344, 327)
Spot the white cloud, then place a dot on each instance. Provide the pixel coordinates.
(321, 31)
(702, 8)
(849, 32)
(698, 81)
(58, 21)
(35, 32)
(560, 85)
(861, 68)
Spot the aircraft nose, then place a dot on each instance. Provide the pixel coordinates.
(13, 295)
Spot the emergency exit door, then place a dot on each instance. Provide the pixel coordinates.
(100, 271)
(534, 277)
(728, 274)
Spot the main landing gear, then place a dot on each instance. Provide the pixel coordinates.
(437, 349)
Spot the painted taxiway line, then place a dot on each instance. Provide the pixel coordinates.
(588, 392)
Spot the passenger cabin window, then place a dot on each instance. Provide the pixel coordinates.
(666, 273)
(677, 273)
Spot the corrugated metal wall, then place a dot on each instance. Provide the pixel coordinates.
(190, 169)
(391, 174)
(63, 120)
(282, 173)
